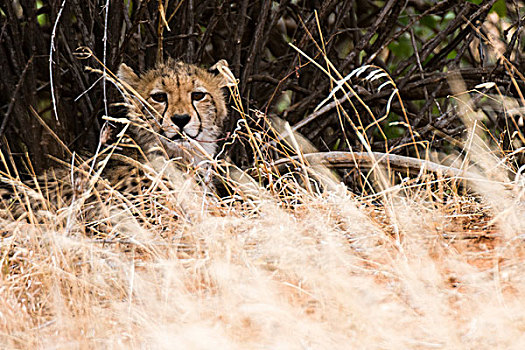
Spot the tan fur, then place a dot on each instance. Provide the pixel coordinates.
(198, 139)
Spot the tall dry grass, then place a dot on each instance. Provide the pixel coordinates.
(291, 262)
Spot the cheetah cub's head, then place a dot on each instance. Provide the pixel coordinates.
(185, 109)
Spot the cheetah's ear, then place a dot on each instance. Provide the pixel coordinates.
(222, 70)
(127, 75)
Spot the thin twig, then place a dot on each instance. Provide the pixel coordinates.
(13, 97)
(320, 112)
(105, 40)
(51, 50)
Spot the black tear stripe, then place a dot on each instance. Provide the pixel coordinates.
(200, 121)
(164, 112)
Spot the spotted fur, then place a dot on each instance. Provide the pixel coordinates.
(176, 113)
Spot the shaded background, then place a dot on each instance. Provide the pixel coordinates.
(418, 42)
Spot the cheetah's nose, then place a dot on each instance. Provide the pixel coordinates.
(180, 120)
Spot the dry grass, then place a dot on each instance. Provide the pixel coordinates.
(280, 265)
(332, 272)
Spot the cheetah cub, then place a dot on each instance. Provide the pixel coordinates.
(176, 114)
(178, 106)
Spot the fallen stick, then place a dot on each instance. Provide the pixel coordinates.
(373, 159)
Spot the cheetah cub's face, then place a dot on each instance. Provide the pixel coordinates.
(188, 109)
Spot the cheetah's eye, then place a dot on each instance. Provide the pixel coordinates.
(159, 97)
(197, 95)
